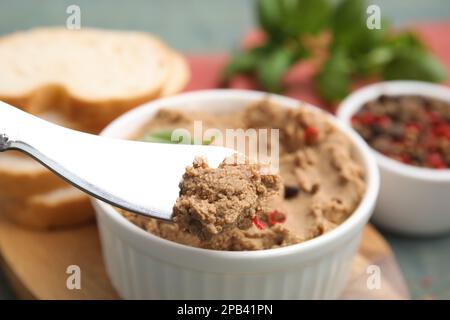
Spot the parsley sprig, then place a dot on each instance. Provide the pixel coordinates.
(353, 51)
(165, 136)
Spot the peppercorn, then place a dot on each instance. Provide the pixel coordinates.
(290, 191)
(311, 135)
(414, 130)
(258, 223)
(275, 216)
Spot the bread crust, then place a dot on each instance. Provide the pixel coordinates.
(24, 183)
(37, 212)
(179, 76)
(23, 193)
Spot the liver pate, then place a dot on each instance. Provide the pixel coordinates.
(212, 201)
(235, 207)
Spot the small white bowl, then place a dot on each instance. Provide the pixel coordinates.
(144, 266)
(412, 200)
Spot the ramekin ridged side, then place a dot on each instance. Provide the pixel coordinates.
(144, 266)
(139, 274)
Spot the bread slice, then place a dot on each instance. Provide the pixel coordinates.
(80, 79)
(33, 196)
(178, 76)
(22, 176)
(98, 74)
(62, 207)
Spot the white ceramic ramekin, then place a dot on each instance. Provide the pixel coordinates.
(144, 266)
(412, 200)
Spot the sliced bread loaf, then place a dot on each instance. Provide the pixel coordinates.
(61, 207)
(21, 176)
(81, 79)
(96, 75)
(33, 196)
(178, 76)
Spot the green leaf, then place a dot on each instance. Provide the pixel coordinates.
(405, 40)
(283, 19)
(411, 60)
(242, 62)
(165, 136)
(246, 62)
(306, 16)
(271, 69)
(333, 81)
(270, 16)
(355, 49)
(300, 52)
(207, 142)
(414, 64)
(159, 136)
(350, 30)
(374, 61)
(347, 21)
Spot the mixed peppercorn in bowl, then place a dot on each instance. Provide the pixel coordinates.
(412, 129)
(407, 125)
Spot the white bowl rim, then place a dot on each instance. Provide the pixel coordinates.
(328, 240)
(355, 101)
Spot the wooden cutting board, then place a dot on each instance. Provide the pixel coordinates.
(35, 264)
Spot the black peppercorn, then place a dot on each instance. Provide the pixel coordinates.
(290, 191)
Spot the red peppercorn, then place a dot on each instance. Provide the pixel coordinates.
(276, 217)
(412, 127)
(311, 135)
(429, 142)
(433, 117)
(418, 136)
(434, 160)
(258, 223)
(405, 158)
(442, 130)
(383, 121)
(368, 118)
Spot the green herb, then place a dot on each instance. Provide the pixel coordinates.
(414, 64)
(270, 16)
(160, 136)
(354, 50)
(333, 81)
(207, 142)
(350, 31)
(165, 136)
(285, 19)
(270, 71)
